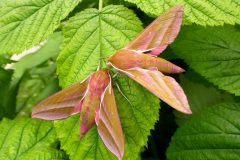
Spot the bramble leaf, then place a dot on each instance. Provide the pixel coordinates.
(213, 52)
(137, 117)
(90, 37)
(47, 51)
(212, 134)
(25, 23)
(211, 12)
(200, 94)
(25, 138)
(35, 86)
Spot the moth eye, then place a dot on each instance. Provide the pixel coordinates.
(147, 51)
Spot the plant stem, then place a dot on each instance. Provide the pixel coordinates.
(100, 5)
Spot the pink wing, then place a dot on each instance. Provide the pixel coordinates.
(109, 125)
(127, 59)
(160, 33)
(62, 104)
(164, 87)
(98, 82)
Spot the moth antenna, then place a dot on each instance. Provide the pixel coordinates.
(115, 75)
(119, 89)
(98, 68)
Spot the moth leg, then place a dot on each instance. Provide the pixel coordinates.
(120, 91)
(115, 75)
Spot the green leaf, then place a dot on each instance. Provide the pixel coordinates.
(200, 94)
(35, 85)
(49, 50)
(4, 59)
(25, 23)
(212, 134)
(213, 52)
(7, 94)
(37, 74)
(137, 118)
(210, 12)
(24, 139)
(32, 90)
(90, 146)
(90, 37)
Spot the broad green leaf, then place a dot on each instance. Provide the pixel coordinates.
(90, 37)
(25, 23)
(49, 50)
(24, 139)
(214, 52)
(138, 114)
(200, 94)
(213, 134)
(210, 12)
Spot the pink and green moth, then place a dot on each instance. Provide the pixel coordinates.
(94, 98)
(139, 60)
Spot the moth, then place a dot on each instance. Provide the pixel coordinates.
(93, 98)
(139, 60)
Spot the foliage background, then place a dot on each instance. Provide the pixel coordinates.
(76, 36)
